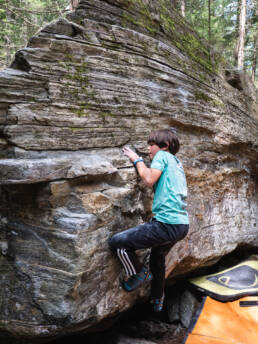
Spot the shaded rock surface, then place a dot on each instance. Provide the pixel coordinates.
(106, 76)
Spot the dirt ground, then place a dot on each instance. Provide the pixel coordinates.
(173, 338)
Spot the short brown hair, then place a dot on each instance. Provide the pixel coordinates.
(165, 137)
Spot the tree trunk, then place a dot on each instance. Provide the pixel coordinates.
(209, 19)
(73, 4)
(182, 5)
(7, 39)
(254, 57)
(239, 52)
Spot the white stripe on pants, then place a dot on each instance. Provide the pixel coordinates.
(125, 260)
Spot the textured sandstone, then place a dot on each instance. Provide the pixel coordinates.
(106, 76)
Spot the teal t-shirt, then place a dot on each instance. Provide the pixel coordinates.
(170, 191)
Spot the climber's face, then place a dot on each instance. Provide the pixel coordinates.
(153, 150)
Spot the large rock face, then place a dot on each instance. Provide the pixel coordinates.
(106, 76)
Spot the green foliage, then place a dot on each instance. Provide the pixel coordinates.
(21, 19)
(223, 25)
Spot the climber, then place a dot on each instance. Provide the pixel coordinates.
(169, 223)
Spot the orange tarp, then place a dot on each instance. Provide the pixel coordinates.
(226, 323)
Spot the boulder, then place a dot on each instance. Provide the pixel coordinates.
(85, 86)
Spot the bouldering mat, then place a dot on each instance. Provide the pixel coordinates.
(233, 322)
(231, 284)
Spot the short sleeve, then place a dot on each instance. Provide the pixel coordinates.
(158, 161)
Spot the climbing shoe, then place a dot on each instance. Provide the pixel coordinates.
(135, 281)
(157, 304)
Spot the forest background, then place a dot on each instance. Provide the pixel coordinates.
(230, 26)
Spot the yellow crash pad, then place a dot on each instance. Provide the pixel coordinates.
(231, 284)
(226, 323)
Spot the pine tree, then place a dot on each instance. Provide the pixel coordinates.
(239, 51)
(217, 21)
(21, 19)
(254, 57)
(73, 4)
(183, 6)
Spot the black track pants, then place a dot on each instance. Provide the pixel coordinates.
(161, 237)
